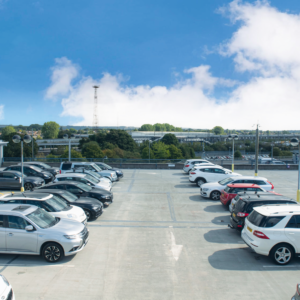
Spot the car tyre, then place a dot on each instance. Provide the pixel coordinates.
(215, 195)
(28, 186)
(200, 181)
(52, 252)
(282, 254)
(88, 215)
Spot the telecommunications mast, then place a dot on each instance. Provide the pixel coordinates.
(95, 114)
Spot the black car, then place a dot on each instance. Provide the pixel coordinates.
(12, 180)
(104, 166)
(92, 207)
(32, 171)
(81, 190)
(244, 206)
(54, 171)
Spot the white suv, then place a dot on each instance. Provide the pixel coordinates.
(274, 231)
(6, 291)
(210, 174)
(189, 164)
(213, 189)
(27, 229)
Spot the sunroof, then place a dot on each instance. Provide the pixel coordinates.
(21, 208)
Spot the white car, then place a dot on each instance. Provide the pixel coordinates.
(189, 164)
(210, 174)
(198, 166)
(84, 178)
(274, 231)
(6, 291)
(50, 203)
(213, 189)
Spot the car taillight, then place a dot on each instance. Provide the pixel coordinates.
(260, 235)
(298, 289)
(272, 188)
(187, 166)
(59, 171)
(241, 214)
(193, 173)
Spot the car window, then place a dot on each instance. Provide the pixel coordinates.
(1, 221)
(8, 175)
(236, 190)
(219, 171)
(252, 189)
(272, 221)
(66, 166)
(58, 187)
(15, 222)
(73, 189)
(16, 168)
(15, 201)
(238, 181)
(249, 181)
(294, 222)
(35, 202)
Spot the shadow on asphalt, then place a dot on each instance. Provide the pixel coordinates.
(180, 174)
(222, 220)
(198, 198)
(185, 186)
(222, 236)
(217, 208)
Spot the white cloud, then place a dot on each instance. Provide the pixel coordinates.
(266, 44)
(1, 112)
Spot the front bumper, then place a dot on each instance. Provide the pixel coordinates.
(76, 246)
(205, 194)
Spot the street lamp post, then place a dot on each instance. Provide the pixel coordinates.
(149, 150)
(295, 143)
(66, 136)
(17, 139)
(272, 146)
(232, 137)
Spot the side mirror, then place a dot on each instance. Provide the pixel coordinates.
(29, 228)
(88, 184)
(80, 192)
(16, 178)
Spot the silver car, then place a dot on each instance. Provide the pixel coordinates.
(27, 229)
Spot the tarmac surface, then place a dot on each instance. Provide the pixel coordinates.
(159, 240)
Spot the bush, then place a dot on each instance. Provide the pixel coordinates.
(92, 150)
(237, 154)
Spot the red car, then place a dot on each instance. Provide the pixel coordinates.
(232, 189)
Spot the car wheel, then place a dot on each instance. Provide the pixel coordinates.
(28, 186)
(88, 214)
(52, 252)
(215, 195)
(200, 182)
(282, 254)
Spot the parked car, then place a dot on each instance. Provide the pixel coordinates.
(28, 229)
(50, 203)
(93, 174)
(274, 231)
(68, 166)
(213, 189)
(297, 294)
(84, 178)
(210, 174)
(32, 171)
(198, 166)
(6, 291)
(54, 171)
(104, 166)
(12, 180)
(244, 206)
(232, 189)
(92, 207)
(190, 163)
(81, 190)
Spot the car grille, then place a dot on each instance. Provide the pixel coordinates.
(10, 295)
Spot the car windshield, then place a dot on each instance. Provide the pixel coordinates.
(91, 179)
(226, 181)
(56, 204)
(107, 166)
(95, 175)
(84, 187)
(69, 196)
(42, 218)
(36, 168)
(97, 167)
(45, 166)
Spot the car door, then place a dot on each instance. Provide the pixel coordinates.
(2, 234)
(292, 231)
(4, 182)
(74, 190)
(219, 174)
(11, 180)
(17, 238)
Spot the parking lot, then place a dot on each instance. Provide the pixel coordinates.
(159, 240)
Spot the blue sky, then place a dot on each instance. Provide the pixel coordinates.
(149, 42)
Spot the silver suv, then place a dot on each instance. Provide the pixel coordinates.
(27, 229)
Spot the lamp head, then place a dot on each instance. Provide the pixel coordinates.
(16, 139)
(27, 139)
(65, 136)
(72, 136)
(294, 142)
(229, 137)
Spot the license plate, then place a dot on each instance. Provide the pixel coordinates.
(234, 214)
(250, 229)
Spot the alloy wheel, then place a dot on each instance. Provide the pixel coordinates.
(52, 253)
(200, 182)
(215, 195)
(283, 255)
(28, 187)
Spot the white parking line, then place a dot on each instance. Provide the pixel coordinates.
(35, 265)
(281, 266)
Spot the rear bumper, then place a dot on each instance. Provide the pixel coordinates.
(236, 225)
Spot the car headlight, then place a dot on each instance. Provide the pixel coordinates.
(205, 189)
(105, 197)
(72, 237)
(46, 176)
(96, 207)
(4, 279)
(72, 216)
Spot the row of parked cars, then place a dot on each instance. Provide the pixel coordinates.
(269, 222)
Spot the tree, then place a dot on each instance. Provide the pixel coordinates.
(74, 154)
(50, 130)
(218, 130)
(122, 139)
(237, 154)
(175, 153)
(146, 127)
(14, 150)
(276, 151)
(109, 153)
(145, 153)
(6, 131)
(160, 150)
(170, 139)
(92, 150)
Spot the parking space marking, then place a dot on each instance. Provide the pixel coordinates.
(130, 186)
(9, 262)
(134, 221)
(37, 265)
(157, 226)
(171, 207)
